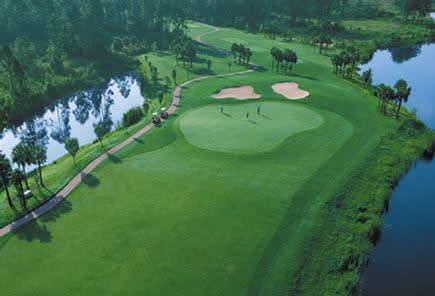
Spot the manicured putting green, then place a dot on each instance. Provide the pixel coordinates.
(231, 131)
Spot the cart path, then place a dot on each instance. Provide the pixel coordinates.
(74, 182)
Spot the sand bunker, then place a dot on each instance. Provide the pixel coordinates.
(245, 92)
(290, 90)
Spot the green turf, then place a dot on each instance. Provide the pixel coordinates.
(171, 218)
(234, 131)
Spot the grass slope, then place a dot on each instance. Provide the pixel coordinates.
(169, 218)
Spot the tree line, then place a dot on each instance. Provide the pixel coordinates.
(241, 53)
(184, 49)
(283, 59)
(50, 48)
(345, 63)
(394, 96)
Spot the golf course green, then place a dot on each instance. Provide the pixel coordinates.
(240, 129)
(210, 202)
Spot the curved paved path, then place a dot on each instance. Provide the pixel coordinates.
(74, 182)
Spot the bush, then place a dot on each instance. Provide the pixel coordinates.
(132, 116)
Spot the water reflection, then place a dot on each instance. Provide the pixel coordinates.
(404, 53)
(76, 116)
(391, 65)
(404, 259)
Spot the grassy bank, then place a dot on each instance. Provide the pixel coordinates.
(348, 227)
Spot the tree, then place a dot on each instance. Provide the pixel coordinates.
(5, 172)
(39, 153)
(420, 7)
(22, 156)
(72, 146)
(17, 179)
(385, 94)
(273, 53)
(248, 55)
(290, 57)
(235, 50)
(100, 131)
(402, 94)
(174, 76)
(367, 78)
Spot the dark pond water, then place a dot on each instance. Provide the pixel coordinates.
(403, 262)
(76, 115)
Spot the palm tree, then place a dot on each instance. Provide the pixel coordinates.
(22, 155)
(279, 58)
(174, 76)
(367, 77)
(402, 94)
(273, 53)
(5, 172)
(234, 50)
(385, 93)
(39, 153)
(17, 179)
(248, 54)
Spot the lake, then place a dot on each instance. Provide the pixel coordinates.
(403, 262)
(76, 115)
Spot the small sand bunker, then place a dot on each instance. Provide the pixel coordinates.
(290, 90)
(245, 92)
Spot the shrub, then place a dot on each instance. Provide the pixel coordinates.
(132, 116)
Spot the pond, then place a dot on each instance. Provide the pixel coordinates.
(76, 115)
(403, 262)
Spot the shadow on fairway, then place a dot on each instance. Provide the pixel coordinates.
(90, 180)
(226, 114)
(304, 76)
(32, 231)
(139, 141)
(265, 116)
(114, 159)
(58, 211)
(253, 122)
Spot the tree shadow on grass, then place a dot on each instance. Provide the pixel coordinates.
(137, 140)
(226, 114)
(64, 207)
(32, 231)
(113, 158)
(90, 180)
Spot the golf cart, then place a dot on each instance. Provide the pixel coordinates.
(28, 194)
(156, 118)
(164, 114)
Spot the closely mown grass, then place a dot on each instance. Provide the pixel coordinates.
(166, 217)
(58, 174)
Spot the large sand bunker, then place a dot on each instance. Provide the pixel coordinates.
(290, 90)
(245, 92)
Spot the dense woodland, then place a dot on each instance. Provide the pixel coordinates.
(50, 48)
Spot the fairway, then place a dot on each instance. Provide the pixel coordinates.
(209, 202)
(232, 131)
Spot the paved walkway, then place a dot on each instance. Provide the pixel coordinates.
(71, 185)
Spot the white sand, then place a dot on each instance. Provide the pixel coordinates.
(245, 92)
(290, 90)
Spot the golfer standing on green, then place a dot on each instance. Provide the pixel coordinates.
(247, 115)
(222, 108)
(258, 109)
